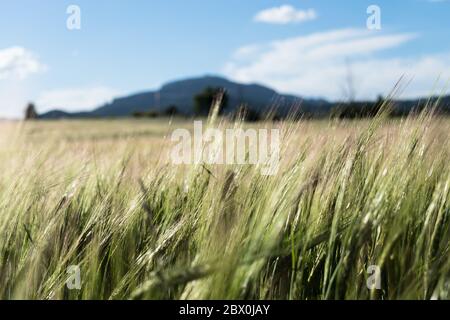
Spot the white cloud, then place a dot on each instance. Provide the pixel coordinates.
(315, 65)
(18, 63)
(285, 14)
(246, 51)
(75, 99)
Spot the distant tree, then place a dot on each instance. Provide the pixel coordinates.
(378, 104)
(246, 113)
(204, 100)
(171, 111)
(138, 114)
(355, 110)
(142, 114)
(153, 114)
(380, 99)
(30, 112)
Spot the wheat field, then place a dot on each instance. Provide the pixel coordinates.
(103, 195)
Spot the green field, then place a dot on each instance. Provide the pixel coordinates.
(103, 195)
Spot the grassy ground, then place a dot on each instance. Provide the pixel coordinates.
(103, 195)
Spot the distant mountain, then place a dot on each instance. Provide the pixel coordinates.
(181, 95)
(407, 105)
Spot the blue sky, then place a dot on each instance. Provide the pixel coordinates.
(301, 47)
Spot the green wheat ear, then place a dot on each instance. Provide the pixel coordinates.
(215, 108)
